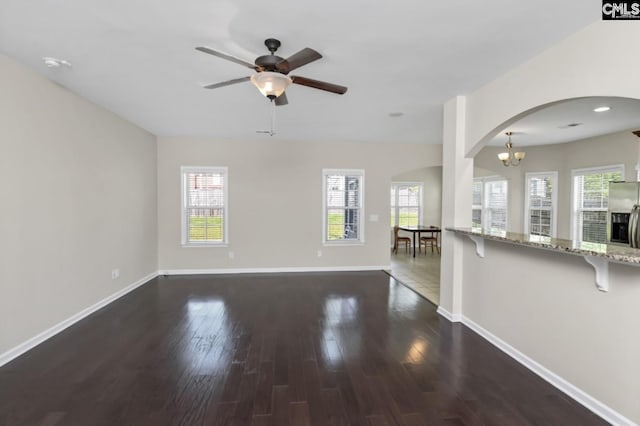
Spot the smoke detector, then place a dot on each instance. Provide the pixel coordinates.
(55, 62)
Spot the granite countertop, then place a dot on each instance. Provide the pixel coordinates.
(612, 252)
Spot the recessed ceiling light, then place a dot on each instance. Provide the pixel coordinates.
(55, 62)
(601, 109)
(396, 114)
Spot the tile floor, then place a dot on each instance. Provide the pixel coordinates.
(421, 273)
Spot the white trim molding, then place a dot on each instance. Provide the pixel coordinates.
(52, 331)
(588, 401)
(272, 270)
(448, 315)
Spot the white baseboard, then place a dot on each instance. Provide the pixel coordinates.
(597, 407)
(36, 340)
(448, 315)
(272, 270)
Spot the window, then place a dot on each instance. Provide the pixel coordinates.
(590, 202)
(540, 204)
(476, 204)
(204, 206)
(406, 204)
(343, 206)
(489, 204)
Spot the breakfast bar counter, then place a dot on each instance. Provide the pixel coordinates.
(597, 255)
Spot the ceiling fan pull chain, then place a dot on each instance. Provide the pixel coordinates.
(273, 118)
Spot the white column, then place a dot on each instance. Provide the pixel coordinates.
(457, 182)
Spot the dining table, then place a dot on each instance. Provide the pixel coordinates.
(419, 229)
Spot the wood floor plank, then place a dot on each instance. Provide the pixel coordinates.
(317, 349)
(52, 419)
(263, 398)
(300, 414)
(281, 406)
(378, 420)
(317, 414)
(231, 390)
(224, 415)
(244, 410)
(334, 407)
(415, 419)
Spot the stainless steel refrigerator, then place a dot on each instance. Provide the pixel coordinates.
(624, 213)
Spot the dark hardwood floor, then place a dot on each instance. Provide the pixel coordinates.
(275, 349)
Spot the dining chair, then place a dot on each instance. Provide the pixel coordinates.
(432, 240)
(397, 239)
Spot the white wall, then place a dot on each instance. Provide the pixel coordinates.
(613, 149)
(78, 189)
(275, 200)
(593, 62)
(546, 304)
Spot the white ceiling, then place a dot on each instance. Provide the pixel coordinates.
(137, 59)
(550, 125)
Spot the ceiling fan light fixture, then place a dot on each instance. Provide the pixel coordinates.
(271, 84)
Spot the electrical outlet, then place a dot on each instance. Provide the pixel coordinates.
(319, 253)
(115, 274)
(231, 255)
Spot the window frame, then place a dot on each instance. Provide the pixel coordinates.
(184, 171)
(480, 206)
(484, 200)
(554, 200)
(420, 199)
(325, 208)
(574, 231)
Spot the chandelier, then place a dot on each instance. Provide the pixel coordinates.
(511, 158)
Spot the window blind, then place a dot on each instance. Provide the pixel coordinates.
(476, 204)
(343, 205)
(591, 200)
(495, 198)
(541, 204)
(406, 204)
(204, 205)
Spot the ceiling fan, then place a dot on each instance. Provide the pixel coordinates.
(272, 71)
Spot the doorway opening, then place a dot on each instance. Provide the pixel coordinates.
(416, 201)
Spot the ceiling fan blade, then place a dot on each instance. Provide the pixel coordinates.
(317, 84)
(239, 61)
(226, 83)
(297, 60)
(282, 100)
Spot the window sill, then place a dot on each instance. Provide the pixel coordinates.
(204, 245)
(340, 243)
